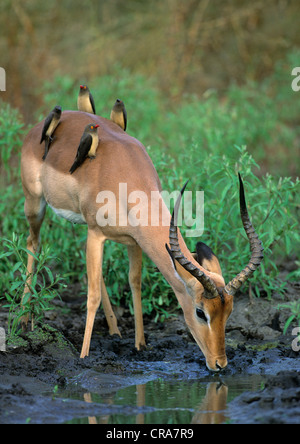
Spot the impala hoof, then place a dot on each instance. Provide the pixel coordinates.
(141, 347)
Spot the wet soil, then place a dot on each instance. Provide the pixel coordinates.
(42, 379)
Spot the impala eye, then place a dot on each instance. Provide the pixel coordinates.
(201, 315)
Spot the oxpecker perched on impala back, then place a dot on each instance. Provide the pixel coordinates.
(119, 115)
(87, 146)
(85, 101)
(50, 125)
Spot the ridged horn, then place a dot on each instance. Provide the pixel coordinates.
(176, 253)
(255, 246)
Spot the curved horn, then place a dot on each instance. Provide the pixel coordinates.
(208, 284)
(255, 246)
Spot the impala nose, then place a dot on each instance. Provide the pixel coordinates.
(217, 364)
(218, 367)
(221, 363)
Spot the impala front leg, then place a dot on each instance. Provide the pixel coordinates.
(94, 254)
(135, 281)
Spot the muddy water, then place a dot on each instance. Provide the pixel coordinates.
(43, 381)
(169, 401)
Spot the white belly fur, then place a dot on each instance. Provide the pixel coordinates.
(75, 218)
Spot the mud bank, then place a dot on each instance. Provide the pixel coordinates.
(277, 403)
(42, 379)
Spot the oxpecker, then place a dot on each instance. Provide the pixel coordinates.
(119, 115)
(87, 146)
(50, 125)
(85, 101)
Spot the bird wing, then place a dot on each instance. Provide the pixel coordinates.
(92, 103)
(82, 151)
(84, 146)
(48, 120)
(125, 118)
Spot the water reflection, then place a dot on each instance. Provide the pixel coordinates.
(193, 403)
(164, 400)
(212, 408)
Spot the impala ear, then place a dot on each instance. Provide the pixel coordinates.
(187, 278)
(195, 257)
(207, 259)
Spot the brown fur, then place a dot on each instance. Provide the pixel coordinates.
(121, 159)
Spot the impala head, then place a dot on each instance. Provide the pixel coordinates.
(211, 301)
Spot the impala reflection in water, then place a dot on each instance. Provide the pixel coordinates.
(171, 402)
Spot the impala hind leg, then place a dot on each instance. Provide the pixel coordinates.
(135, 281)
(94, 255)
(108, 311)
(34, 208)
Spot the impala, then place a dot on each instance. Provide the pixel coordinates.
(198, 284)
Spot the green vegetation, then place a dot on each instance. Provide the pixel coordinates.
(294, 308)
(43, 289)
(188, 46)
(207, 140)
(11, 134)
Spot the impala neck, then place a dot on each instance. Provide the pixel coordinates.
(152, 240)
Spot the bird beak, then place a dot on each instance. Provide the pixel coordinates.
(96, 126)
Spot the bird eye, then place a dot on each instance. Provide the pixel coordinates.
(92, 127)
(200, 314)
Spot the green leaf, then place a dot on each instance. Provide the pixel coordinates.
(26, 298)
(16, 285)
(287, 324)
(49, 272)
(17, 266)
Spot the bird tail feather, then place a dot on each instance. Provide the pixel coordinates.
(47, 144)
(73, 167)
